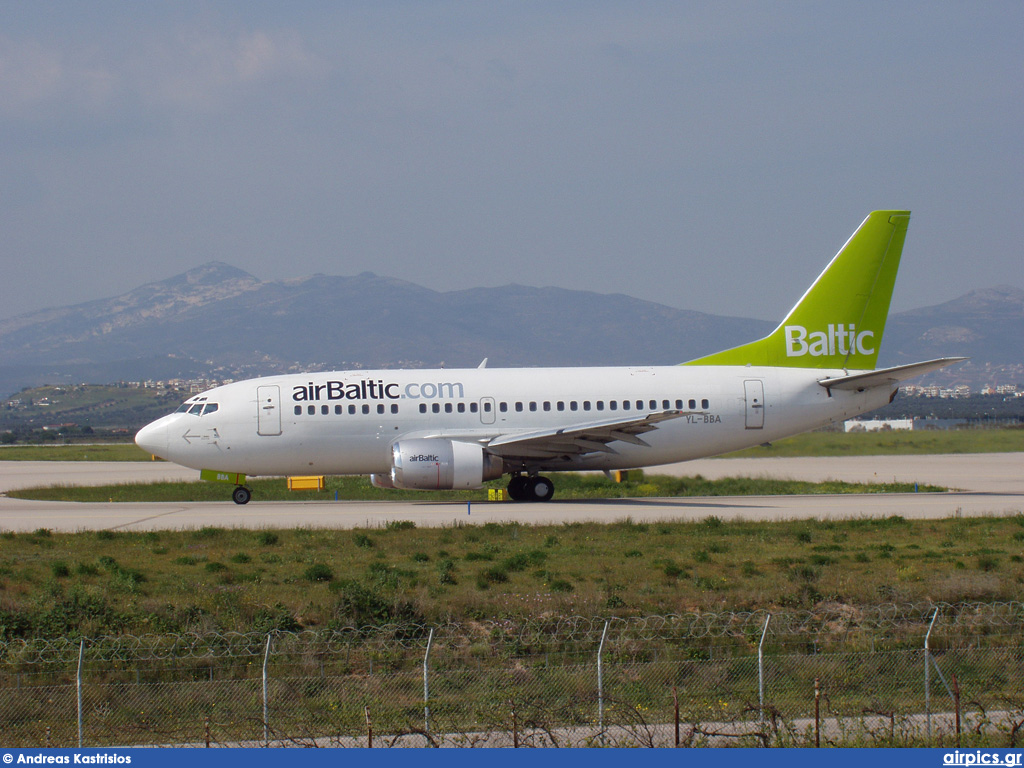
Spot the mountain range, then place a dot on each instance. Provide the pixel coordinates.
(217, 321)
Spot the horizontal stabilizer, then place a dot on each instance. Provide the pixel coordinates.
(887, 376)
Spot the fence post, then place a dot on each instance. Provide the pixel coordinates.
(78, 688)
(600, 680)
(760, 669)
(817, 714)
(928, 678)
(266, 723)
(426, 683)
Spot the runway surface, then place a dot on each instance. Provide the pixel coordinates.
(987, 484)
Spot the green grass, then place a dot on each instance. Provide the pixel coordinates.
(809, 444)
(55, 584)
(888, 443)
(94, 452)
(569, 485)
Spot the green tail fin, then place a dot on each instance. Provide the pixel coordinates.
(840, 320)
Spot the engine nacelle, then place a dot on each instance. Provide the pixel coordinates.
(435, 464)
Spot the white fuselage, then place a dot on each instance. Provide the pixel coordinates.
(346, 422)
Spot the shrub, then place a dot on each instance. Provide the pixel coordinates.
(400, 525)
(318, 572)
(446, 571)
(485, 578)
(267, 538)
(362, 541)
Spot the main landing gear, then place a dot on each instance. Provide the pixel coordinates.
(530, 488)
(241, 495)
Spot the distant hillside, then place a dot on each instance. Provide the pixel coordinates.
(221, 322)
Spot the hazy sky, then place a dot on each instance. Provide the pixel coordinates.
(709, 156)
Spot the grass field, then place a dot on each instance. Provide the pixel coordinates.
(809, 444)
(109, 583)
(356, 488)
(76, 452)
(888, 443)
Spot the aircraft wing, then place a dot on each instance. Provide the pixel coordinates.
(577, 439)
(887, 376)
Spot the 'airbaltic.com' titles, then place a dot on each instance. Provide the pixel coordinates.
(445, 429)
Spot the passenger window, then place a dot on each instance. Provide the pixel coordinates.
(366, 409)
(503, 407)
(639, 405)
(572, 405)
(519, 407)
(461, 408)
(423, 407)
(705, 404)
(380, 407)
(653, 405)
(600, 405)
(352, 410)
(586, 405)
(394, 407)
(679, 405)
(435, 408)
(338, 410)
(447, 407)
(666, 404)
(613, 405)
(473, 407)
(533, 406)
(311, 410)
(560, 405)
(298, 410)
(325, 409)
(692, 405)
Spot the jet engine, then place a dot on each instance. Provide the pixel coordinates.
(435, 464)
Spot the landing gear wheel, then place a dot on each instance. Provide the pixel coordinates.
(539, 489)
(241, 495)
(517, 488)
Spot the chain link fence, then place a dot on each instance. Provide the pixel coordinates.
(889, 675)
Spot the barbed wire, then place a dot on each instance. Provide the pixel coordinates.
(826, 621)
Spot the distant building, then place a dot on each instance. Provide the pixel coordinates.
(886, 425)
(877, 425)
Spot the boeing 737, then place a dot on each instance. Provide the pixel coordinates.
(444, 429)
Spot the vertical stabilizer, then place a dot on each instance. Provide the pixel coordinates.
(840, 319)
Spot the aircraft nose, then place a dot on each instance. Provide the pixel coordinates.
(152, 438)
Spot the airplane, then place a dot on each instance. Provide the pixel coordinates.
(457, 429)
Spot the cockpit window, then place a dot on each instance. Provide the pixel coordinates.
(210, 408)
(183, 407)
(197, 408)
